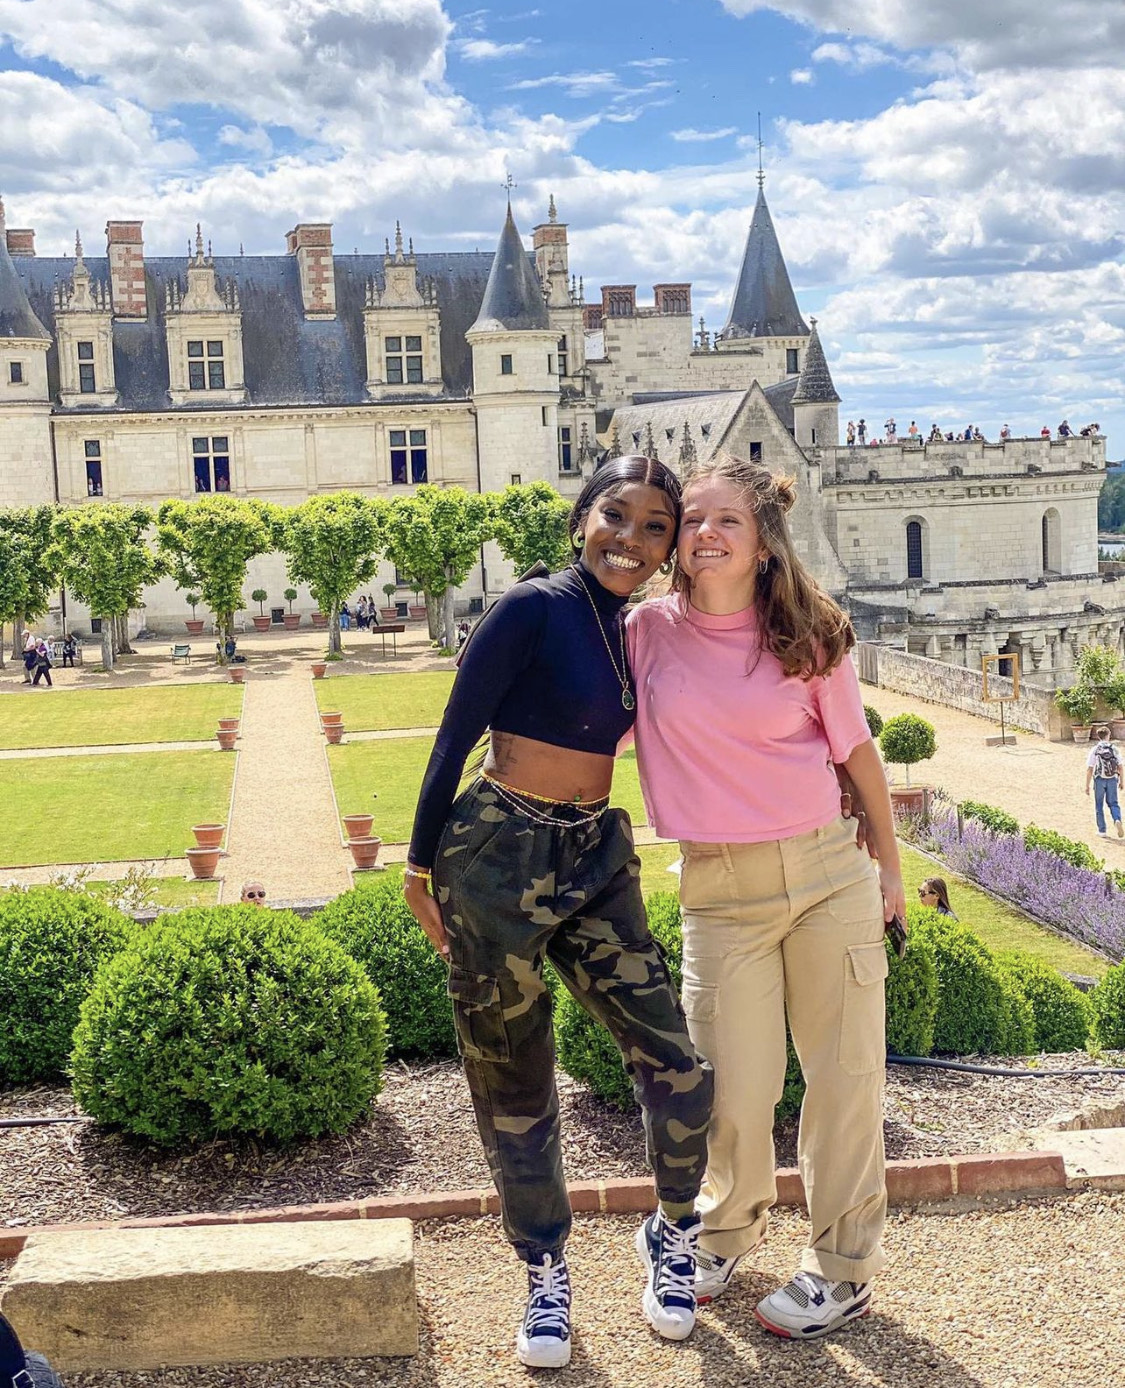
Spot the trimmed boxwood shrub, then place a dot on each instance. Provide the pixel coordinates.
(999, 821)
(587, 1052)
(229, 1021)
(874, 720)
(980, 1010)
(51, 943)
(1069, 850)
(1107, 1009)
(376, 928)
(1060, 1011)
(912, 998)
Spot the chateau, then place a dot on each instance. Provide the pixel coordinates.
(133, 378)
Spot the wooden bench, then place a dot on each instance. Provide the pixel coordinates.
(391, 629)
(181, 653)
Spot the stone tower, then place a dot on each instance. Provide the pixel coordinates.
(816, 406)
(25, 405)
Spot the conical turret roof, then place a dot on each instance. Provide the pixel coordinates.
(764, 303)
(814, 386)
(513, 297)
(17, 318)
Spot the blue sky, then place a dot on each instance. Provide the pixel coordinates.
(946, 177)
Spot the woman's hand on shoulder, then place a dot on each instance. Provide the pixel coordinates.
(425, 910)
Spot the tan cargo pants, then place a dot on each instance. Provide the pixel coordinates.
(793, 926)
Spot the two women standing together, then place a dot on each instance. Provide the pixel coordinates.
(743, 699)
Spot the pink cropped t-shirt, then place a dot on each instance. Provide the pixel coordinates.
(729, 748)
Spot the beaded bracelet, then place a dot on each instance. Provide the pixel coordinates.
(423, 874)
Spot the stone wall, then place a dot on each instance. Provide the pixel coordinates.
(954, 686)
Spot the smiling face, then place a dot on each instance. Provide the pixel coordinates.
(627, 535)
(719, 544)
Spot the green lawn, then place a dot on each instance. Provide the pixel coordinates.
(170, 891)
(110, 717)
(393, 768)
(373, 703)
(109, 808)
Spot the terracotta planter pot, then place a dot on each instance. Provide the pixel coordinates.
(417, 614)
(358, 826)
(262, 623)
(208, 835)
(203, 861)
(334, 732)
(292, 620)
(227, 738)
(1117, 728)
(389, 614)
(327, 720)
(320, 619)
(318, 669)
(195, 626)
(229, 725)
(236, 675)
(365, 852)
(1080, 731)
(911, 800)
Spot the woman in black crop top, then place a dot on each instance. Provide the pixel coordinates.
(530, 863)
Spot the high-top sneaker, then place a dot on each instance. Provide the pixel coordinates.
(667, 1248)
(811, 1306)
(543, 1340)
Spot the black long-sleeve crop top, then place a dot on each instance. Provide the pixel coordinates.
(536, 666)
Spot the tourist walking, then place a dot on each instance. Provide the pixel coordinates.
(28, 657)
(69, 650)
(746, 697)
(530, 862)
(1104, 772)
(42, 664)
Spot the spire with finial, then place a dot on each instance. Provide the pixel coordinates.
(814, 385)
(198, 242)
(764, 304)
(78, 246)
(648, 444)
(761, 171)
(513, 296)
(509, 184)
(552, 211)
(398, 242)
(614, 449)
(688, 457)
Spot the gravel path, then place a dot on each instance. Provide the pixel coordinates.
(284, 829)
(1006, 1296)
(121, 749)
(421, 1137)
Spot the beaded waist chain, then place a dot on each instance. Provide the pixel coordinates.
(581, 811)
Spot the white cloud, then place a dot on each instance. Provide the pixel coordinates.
(253, 141)
(484, 50)
(690, 136)
(573, 84)
(801, 77)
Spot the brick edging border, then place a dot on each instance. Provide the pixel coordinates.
(924, 1180)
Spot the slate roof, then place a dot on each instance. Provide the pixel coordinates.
(764, 304)
(814, 386)
(513, 298)
(714, 412)
(16, 316)
(288, 360)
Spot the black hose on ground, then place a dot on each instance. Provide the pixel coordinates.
(39, 1122)
(929, 1064)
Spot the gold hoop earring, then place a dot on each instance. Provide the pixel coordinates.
(578, 539)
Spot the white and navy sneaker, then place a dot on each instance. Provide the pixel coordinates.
(543, 1340)
(811, 1306)
(667, 1248)
(713, 1274)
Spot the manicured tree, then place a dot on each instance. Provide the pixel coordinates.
(105, 558)
(435, 536)
(907, 739)
(530, 523)
(333, 543)
(207, 545)
(27, 575)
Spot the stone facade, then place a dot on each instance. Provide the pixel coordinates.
(134, 379)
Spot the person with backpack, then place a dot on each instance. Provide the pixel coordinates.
(1104, 770)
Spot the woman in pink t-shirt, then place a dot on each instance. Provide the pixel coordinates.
(746, 699)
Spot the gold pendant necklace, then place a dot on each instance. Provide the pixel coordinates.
(628, 699)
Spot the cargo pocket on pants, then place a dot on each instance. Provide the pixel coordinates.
(701, 1002)
(478, 1017)
(863, 1046)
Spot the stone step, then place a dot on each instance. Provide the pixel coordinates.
(139, 1299)
(1094, 1158)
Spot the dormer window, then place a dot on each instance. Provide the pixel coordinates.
(404, 360)
(15, 373)
(205, 366)
(87, 383)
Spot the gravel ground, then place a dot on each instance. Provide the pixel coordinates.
(421, 1136)
(1009, 1296)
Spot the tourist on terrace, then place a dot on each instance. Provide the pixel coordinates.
(890, 430)
(1045, 432)
(912, 431)
(530, 862)
(851, 434)
(935, 894)
(1104, 771)
(1005, 433)
(1065, 431)
(746, 698)
(861, 432)
(936, 435)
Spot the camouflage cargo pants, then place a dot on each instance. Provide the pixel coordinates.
(513, 891)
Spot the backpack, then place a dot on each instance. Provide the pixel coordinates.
(1106, 761)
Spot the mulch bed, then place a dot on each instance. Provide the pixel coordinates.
(421, 1137)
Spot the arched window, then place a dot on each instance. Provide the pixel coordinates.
(915, 566)
(1051, 538)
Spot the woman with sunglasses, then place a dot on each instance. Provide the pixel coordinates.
(935, 894)
(530, 862)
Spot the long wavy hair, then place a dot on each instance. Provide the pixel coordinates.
(801, 625)
(618, 473)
